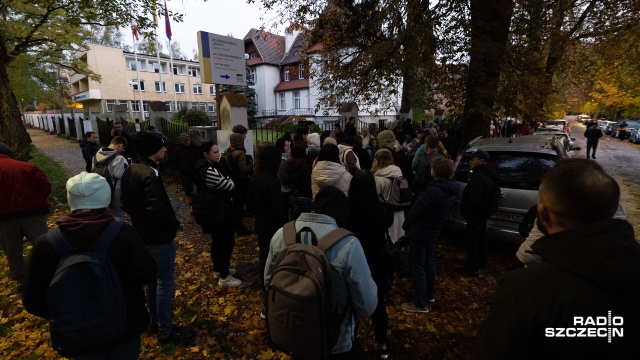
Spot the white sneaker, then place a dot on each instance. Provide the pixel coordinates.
(229, 281)
(216, 274)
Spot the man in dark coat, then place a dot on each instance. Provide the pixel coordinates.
(581, 300)
(118, 130)
(593, 134)
(146, 201)
(476, 209)
(185, 156)
(423, 223)
(89, 195)
(90, 147)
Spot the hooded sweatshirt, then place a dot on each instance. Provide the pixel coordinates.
(426, 217)
(117, 165)
(383, 187)
(329, 173)
(585, 272)
(348, 158)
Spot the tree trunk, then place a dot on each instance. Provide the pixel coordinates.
(12, 129)
(490, 22)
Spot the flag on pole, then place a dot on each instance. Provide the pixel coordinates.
(134, 26)
(167, 23)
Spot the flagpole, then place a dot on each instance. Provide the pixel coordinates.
(173, 80)
(135, 57)
(155, 33)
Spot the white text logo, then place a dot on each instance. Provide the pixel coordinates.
(597, 326)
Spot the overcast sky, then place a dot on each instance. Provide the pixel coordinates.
(221, 17)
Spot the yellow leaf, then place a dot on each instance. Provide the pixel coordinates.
(205, 353)
(194, 349)
(229, 310)
(178, 292)
(265, 355)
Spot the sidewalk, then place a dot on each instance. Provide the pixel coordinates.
(65, 151)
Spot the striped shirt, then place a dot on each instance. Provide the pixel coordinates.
(215, 180)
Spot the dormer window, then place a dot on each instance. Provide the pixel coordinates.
(286, 74)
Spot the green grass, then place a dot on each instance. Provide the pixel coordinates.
(56, 175)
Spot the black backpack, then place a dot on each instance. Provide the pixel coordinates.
(301, 315)
(102, 168)
(86, 303)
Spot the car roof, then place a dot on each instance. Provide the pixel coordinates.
(526, 143)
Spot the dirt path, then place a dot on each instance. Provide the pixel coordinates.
(621, 159)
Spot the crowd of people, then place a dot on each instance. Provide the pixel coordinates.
(337, 179)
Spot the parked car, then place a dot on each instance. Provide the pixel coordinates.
(563, 137)
(584, 118)
(634, 136)
(631, 126)
(557, 124)
(521, 163)
(603, 124)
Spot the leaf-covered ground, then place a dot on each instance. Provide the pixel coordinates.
(227, 321)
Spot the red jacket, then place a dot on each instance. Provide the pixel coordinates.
(24, 189)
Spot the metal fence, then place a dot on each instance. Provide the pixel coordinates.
(173, 130)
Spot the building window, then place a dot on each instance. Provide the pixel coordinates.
(197, 89)
(193, 71)
(211, 107)
(212, 89)
(252, 75)
(145, 106)
(286, 74)
(135, 105)
(283, 102)
(155, 66)
(300, 71)
(164, 86)
(110, 104)
(179, 88)
(132, 65)
(296, 100)
(178, 69)
(168, 104)
(252, 55)
(135, 83)
(202, 106)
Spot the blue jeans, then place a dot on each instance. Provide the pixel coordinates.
(129, 350)
(160, 292)
(423, 269)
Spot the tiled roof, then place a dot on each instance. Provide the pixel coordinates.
(315, 47)
(298, 49)
(270, 46)
(294, 84)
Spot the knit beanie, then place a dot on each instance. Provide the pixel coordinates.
(313, 139)
(88, 191)
(332, 202)
(148, 144)
(386, 139)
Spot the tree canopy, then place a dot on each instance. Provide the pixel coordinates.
(47, 33)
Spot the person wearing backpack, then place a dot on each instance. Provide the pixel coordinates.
(352, 288)
(105, 331)
(384, 175)
(477, 205)
(110, 164)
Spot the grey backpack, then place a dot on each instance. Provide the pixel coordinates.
(301, 315)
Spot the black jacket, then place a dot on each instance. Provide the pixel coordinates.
(89, 149)
(131, 259)
(585, 272)
(476, 198)
(423, 173)
(146, 201)
(363, 157)
(185, 158)
(427, 215)
(593, 133)
(265, 196)
(299, 177)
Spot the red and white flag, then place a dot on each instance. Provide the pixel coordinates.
(134, 26)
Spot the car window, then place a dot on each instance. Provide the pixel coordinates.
(516, 170)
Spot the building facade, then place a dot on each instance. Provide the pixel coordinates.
(124, 81)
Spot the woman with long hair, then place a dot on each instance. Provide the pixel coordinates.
(212, 179)
(369, 220)
(299, 179)
(385, 172)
